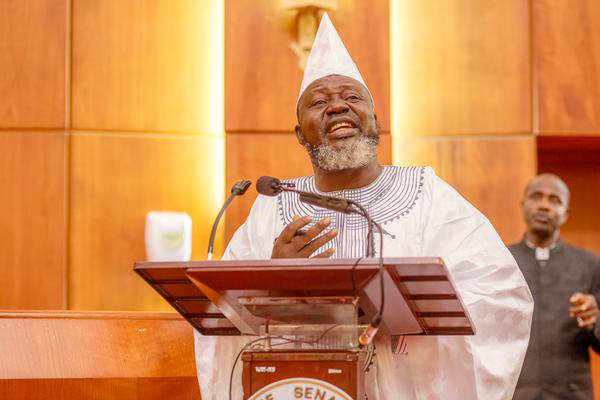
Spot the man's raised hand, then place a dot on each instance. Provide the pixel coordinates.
(294, 242)
(584, 308)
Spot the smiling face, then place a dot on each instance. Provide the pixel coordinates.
(336, 123)
(545, 206)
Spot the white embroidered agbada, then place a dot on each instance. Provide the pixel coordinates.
(421, 216)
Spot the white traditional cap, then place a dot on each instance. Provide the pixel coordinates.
(329, 56)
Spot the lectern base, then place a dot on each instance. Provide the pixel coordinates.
(302, 374)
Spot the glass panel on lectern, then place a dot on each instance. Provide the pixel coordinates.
(306, 322)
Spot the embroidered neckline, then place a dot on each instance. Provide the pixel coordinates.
(392, 195)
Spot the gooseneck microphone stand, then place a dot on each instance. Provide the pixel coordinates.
(238, 189)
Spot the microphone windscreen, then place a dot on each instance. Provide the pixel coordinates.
(240, 187)
(268, 186)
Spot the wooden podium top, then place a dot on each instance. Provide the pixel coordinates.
(420, 296)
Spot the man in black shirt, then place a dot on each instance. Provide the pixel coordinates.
(565, 282)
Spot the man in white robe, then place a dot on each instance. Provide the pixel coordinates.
(420, 214)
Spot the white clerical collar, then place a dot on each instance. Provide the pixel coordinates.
(542, 254)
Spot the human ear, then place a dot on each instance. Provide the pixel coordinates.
(299, 135)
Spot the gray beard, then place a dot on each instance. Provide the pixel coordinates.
(348, 156)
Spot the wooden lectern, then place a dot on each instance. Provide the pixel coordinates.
(310, 313)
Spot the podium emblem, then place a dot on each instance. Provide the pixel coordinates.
(300, 388)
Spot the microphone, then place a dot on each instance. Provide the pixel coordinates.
(238, 189)
(369, 332)
(329, 202)
(269, 186)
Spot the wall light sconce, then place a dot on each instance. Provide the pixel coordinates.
(308, 15)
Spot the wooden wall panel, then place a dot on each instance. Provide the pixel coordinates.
(95, 355)
(252, 155)
(115, 181)
(262, 77)
(461, 67)
(566, 42)
(32, 63)
(147, 65)
(489, 172)
(33, 203)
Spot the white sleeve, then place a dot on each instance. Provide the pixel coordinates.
(491, 285)
(254, 238)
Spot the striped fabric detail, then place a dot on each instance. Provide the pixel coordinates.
(391, 196)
